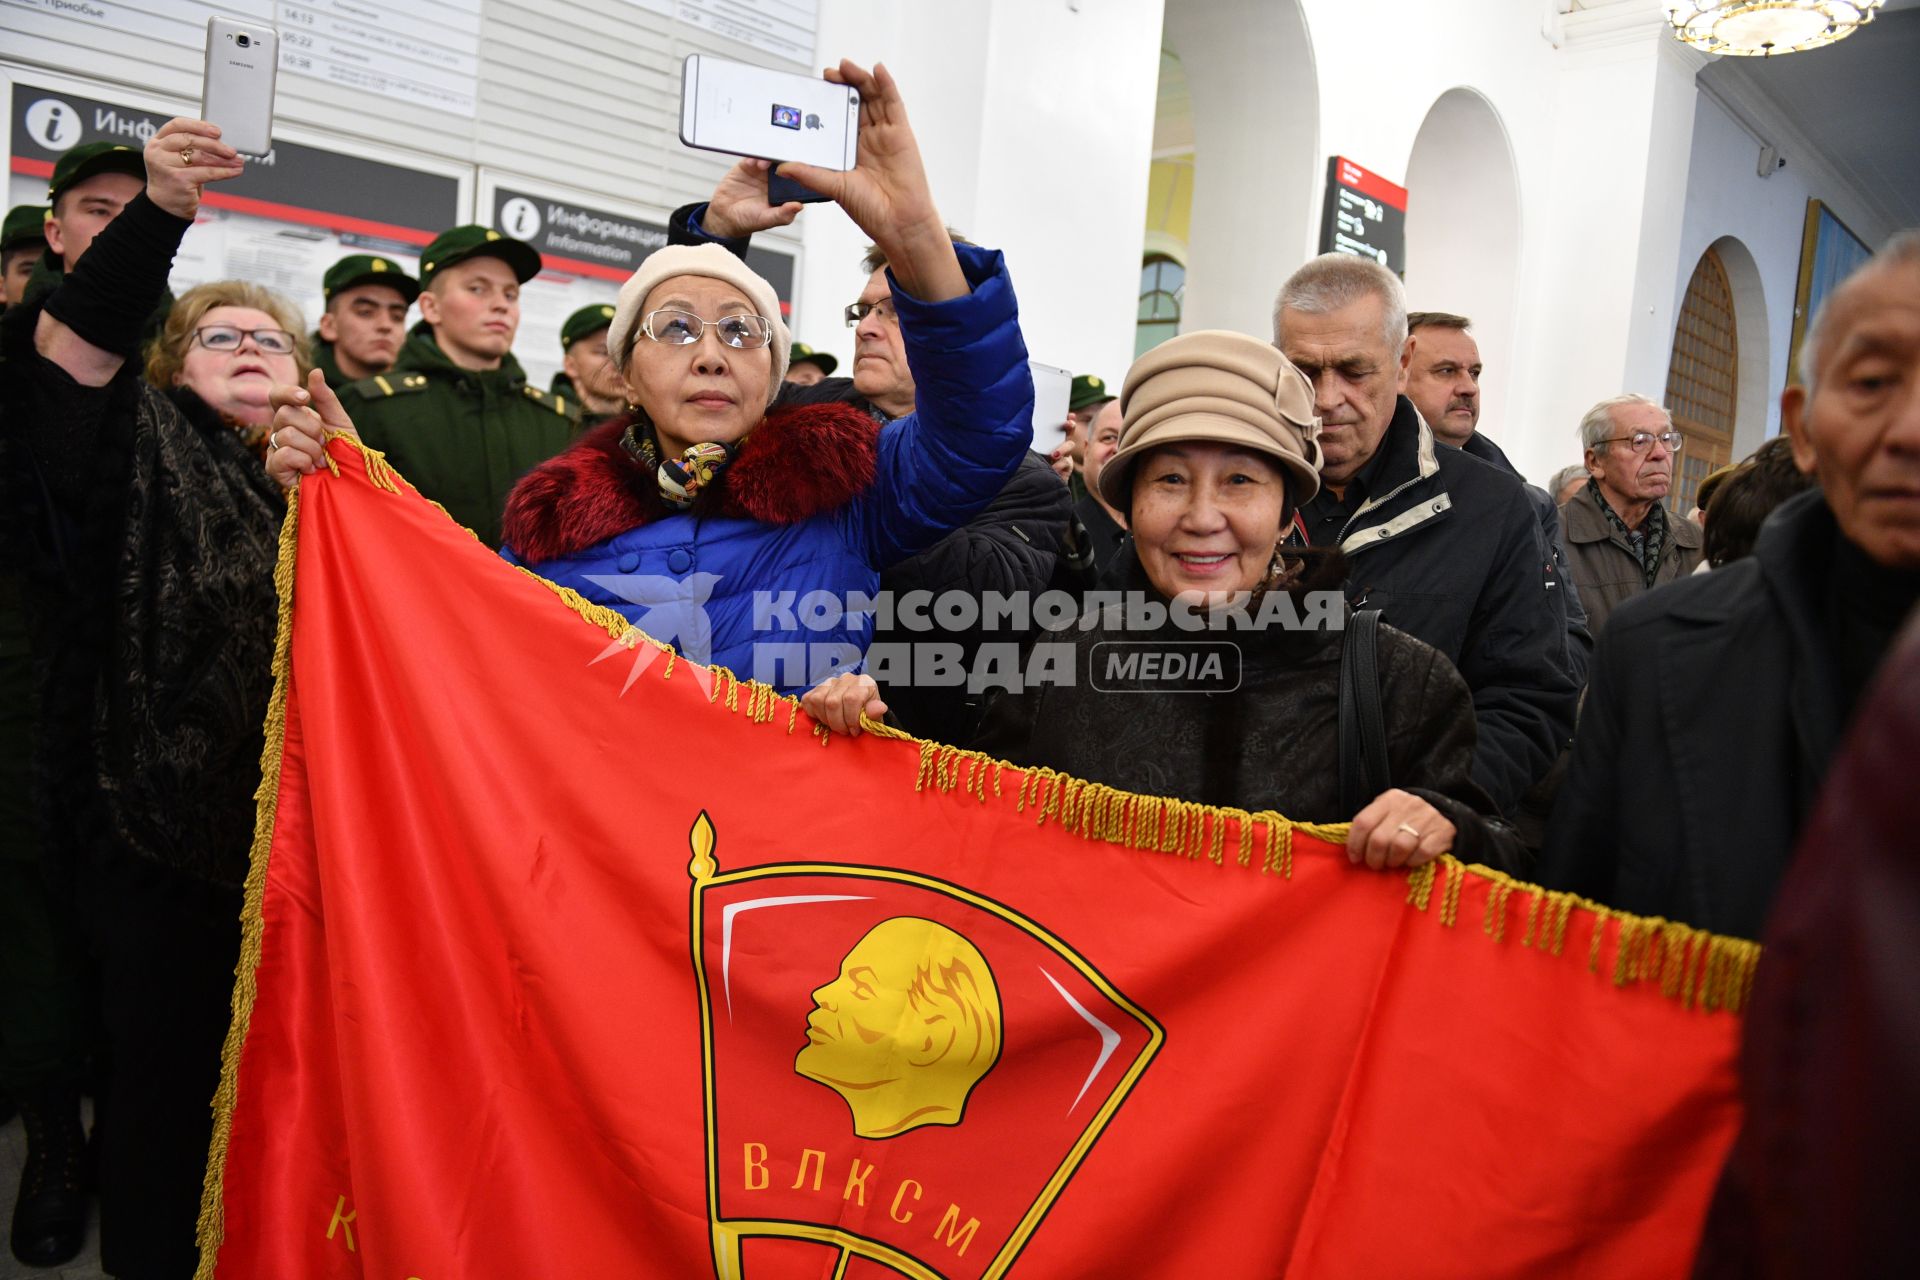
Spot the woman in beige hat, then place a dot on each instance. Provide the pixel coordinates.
(1218, 451)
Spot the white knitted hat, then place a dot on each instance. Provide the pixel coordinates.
(695, 260)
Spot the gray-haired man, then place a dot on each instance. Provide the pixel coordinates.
(1446, 545)
(1620, 539)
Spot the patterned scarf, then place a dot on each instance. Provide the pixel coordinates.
(1647, 544)
(680, 479)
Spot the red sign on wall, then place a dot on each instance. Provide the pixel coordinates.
(1364, 215)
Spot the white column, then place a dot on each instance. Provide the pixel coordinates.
(1597, 306)
(1035, 118)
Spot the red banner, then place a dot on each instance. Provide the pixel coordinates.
(558, 965)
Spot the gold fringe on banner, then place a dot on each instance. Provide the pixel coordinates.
(1696, 968)
(212, 1226)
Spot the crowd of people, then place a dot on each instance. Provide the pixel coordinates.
(1578, 684)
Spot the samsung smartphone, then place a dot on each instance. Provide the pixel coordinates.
(243, 59)
(1052, 388)
(775, 115)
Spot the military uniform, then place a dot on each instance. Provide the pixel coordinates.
(25, 229)
(74, 167)
(463, 437)
(350, 272)
(588, 320)
(1087, 392)
(801, 353)
(324, 361)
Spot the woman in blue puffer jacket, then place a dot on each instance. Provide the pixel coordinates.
(717, 526)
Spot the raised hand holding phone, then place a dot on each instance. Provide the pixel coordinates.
(740, 205)
(886, 191)
(182, 156)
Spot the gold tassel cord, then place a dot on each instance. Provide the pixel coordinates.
(1721, 979)
(211, 1228)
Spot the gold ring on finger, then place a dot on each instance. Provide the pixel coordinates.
(186, 154)
(1410, 829)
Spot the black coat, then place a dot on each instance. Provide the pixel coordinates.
(1272, 743)
(1014, 546)
(1109, 542)
(150, 532)
(1450, 550)
(1715, 706)
(1560, 585)
(1822, 1180)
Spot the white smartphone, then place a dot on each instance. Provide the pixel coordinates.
(746, 110)
(243, 61)
(1052, 388)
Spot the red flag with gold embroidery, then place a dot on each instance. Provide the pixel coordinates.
(557, 965)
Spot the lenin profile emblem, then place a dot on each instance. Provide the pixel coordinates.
(898, 1071)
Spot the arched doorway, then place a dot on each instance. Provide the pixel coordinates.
(1252, 118)
(1463, 234)
(1755, 405)
(1703, 378)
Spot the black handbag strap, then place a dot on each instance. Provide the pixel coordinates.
(1364, 772)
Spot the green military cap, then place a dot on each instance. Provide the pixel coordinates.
(804, 354)
(26, 224)
(472, 241)
(90, 158)
(591, 318)
(1087, 390)
(368, 268)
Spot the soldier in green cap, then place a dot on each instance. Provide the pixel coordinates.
(23, 238)
(365, 320)
(91, 184)
(1084, 401)
(589, 371)
(455, 414)
(805, 366)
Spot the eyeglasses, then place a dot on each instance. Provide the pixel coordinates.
(858, 311)
(227, 337)
(683, 329)
(1641, 441)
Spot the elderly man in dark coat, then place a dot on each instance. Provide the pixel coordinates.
(1717, 702)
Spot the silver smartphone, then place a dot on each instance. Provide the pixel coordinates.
(243, 60)
(1052, 389)
(746, 110)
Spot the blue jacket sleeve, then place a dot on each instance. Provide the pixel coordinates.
(942, 464)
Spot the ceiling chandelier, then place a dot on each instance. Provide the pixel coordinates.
(1761, 28)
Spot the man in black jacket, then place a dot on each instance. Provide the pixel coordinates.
(1443, 381)
(1013, 547)
(1446, 545)
(1717, 701)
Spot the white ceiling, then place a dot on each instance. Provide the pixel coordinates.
(1857, 102)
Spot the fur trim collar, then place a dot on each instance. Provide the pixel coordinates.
(797, 463)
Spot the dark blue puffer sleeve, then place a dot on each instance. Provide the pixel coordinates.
(942, 464)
